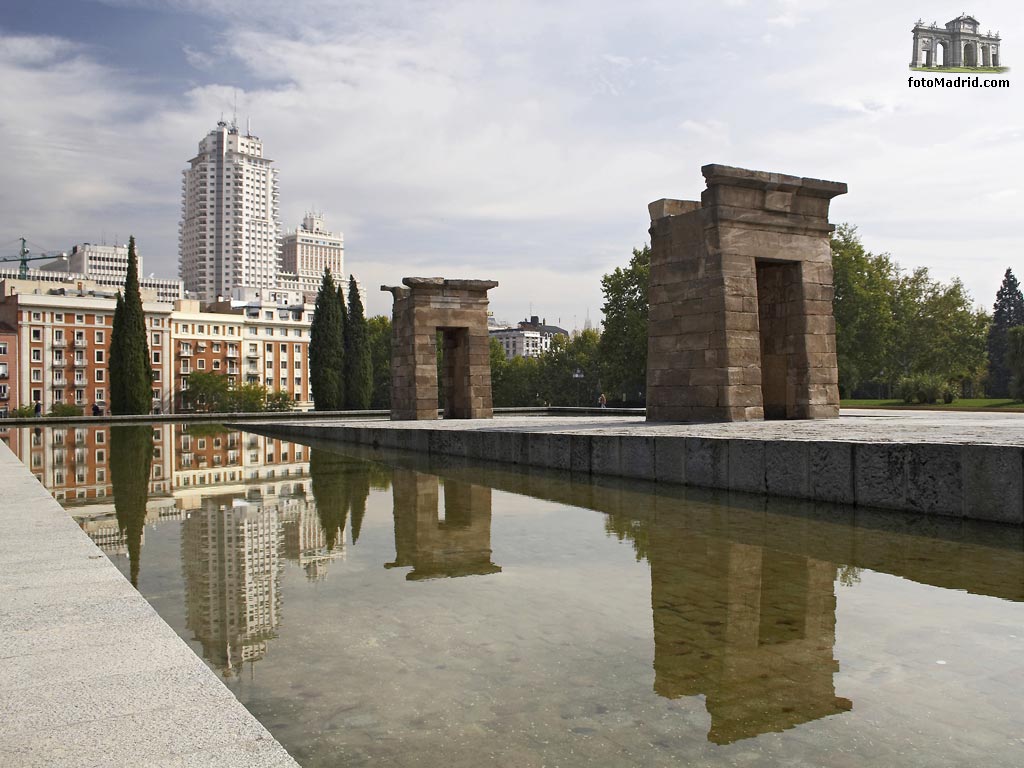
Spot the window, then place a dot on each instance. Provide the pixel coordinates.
(270, 349)
(101, 374)
(270, 365)
(3, 347)
(156, 356)
(201, 364)
(37, 395)
(156, 339)
(101, 337)
(58, 395)
(37, 334)
(58, 317)
(216, 365)
(156, 374)
(79, 318)
(216, 344)
(79, 396)
(284, 349)
(100, 355)
(298, 365)
(37, 316)
(37, 355)
(101, 455)
(37, 374)
(101, 435)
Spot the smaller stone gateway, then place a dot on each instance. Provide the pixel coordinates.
(741, 291)
(458, 310)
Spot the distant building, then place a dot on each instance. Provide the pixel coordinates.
(8, 369)
(529, 338)
(104, 265)
(308, 251)
(230, 230)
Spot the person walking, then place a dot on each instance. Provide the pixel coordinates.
(39, 408)
(602, 401)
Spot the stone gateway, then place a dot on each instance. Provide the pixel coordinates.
(457, 310)
(741, 323)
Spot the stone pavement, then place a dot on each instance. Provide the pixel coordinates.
(90, 675)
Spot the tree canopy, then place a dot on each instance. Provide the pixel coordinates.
(623, 345)
(1008, 312)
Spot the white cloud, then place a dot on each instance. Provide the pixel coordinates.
(519, 140)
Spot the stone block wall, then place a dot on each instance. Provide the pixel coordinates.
(458, 310)
(741, 322)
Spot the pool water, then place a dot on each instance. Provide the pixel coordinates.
(397, 612)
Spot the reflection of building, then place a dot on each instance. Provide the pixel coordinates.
(232, 562)
(458, 544)
(305, 541)
(749, 628)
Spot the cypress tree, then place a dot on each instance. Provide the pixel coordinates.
(326, 348)
(131, 373)
(358, 368)
(343, 370)
(1008, 312)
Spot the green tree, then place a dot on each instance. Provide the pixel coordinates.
(517, 383)
(864, 290)
(207, 391)
(247, 398)
(358, 365)
(131, 374)
(623, 346)
(327, 348)
(378, 331)
(1008, 312)
(280, 400)
(131, 457)
(570, 370)
(1015, 360)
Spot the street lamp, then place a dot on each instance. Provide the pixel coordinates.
(578, 375)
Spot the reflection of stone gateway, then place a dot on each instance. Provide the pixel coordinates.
(958, 44)
(458, 310)
(741, 323)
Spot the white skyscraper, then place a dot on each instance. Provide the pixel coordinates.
(308, 251)
(230, 230)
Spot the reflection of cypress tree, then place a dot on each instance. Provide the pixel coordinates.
(131, 455)
(330, 490)
(359, 491)
(340, 484)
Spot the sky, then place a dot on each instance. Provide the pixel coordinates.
(515, 141)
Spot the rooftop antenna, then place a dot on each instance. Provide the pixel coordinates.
(248, 126)
(234, 111)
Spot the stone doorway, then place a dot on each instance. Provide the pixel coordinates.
(780, 333)
(432, 310)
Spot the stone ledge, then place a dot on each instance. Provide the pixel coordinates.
(68, 614)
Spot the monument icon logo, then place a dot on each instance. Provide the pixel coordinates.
(958, 46)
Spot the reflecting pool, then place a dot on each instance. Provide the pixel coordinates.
(374, 608)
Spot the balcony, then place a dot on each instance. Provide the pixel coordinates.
(185, 352)
(81, 362)
(233, 353)
(232, 370)
(186, 369)
(59, 383)
(81, 343)
(60, 343)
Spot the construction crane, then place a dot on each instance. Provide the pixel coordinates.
(24, 259)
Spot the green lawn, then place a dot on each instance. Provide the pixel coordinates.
(978, 404)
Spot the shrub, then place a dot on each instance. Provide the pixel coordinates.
(65, 409)
(925, 388)
(23, 412)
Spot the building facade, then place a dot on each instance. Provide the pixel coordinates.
(529, 338)
(230, 228)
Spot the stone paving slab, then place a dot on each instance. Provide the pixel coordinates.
(960, 465)
(90, 675)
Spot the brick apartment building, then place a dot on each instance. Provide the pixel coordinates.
(58, 339)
